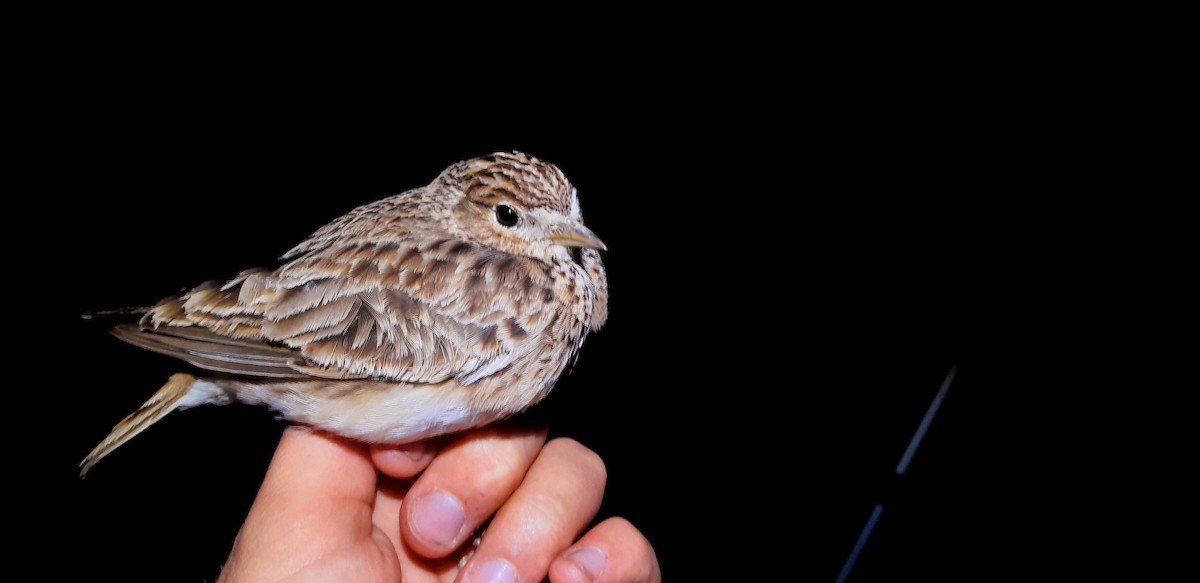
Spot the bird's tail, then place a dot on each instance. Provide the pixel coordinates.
(130, 311)
(167, 399)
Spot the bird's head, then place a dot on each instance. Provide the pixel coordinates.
(521, 205)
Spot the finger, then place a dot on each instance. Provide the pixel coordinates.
(614, 551)
(317, 494)
(417, 569)
(405, 460)
(560, 495)
(465, 484)
(312, 467)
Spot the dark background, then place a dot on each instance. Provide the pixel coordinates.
(793, 273)
(777, 328)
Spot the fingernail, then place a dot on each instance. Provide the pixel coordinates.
(416, 451)
(493, 571)
(438, 518)
(590, 560)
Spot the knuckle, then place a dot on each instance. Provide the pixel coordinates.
(590, 464)
(497, 473)
(641, 559)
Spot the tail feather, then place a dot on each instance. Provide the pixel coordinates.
(130, 311)
(164, 401)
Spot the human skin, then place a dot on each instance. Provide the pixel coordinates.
(334, 509)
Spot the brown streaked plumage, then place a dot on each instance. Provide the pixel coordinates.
(436, 310)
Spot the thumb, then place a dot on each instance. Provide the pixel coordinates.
(318, 495)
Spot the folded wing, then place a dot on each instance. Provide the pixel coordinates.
(403, 312)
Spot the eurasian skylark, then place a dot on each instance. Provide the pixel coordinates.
(433, 311)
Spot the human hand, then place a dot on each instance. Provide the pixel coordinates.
(331, 509)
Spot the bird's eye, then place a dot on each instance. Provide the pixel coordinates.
(506, 215)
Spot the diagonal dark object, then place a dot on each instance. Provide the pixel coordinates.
(925, 422)
(860, 543)
(905, 460)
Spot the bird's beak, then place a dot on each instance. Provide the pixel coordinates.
(576, 235)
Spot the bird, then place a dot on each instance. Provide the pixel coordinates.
(432, 311)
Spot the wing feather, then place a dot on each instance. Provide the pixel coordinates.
(415, 309)
(211, 354)
(419, 313)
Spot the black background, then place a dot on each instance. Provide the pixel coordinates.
(793, 273)
(776, 326)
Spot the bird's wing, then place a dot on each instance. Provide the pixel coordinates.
(211, 328)
(406, 312)
(211, 351)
